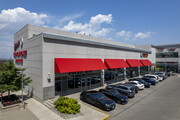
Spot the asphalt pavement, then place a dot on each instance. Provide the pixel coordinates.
(160, 102)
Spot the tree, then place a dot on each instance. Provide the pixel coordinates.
(10, 79)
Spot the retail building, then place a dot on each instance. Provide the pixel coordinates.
(61, 63)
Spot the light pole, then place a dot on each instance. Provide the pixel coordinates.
(22, 87)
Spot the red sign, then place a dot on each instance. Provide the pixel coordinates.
(145, 55)
(16, 45)
(19, 60)
(171, 49)
(160, 48)
(20, 53)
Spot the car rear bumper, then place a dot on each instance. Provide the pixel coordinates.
(111, 107)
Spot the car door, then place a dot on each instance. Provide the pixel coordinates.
(94, 100)
(107, 94)
(122, 90)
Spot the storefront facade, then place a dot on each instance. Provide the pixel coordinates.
(168, 58)
(61, 63)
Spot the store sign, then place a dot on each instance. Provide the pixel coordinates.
(16, 45)
(160, 48)
(171, 49)
(20, 53)
(19, 60)
(143, 55)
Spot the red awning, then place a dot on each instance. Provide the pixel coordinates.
(134, 62)
(146, 62)
(115, 63)
(65, 65)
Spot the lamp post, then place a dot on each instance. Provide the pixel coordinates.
(22, 87)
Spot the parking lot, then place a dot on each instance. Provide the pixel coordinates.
(160, 102)
(147, 103)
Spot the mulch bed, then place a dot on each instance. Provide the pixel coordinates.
(10, 100)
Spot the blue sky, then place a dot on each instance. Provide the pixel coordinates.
(128, 21)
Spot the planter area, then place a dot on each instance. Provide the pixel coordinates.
(67, 107)
(11, 100)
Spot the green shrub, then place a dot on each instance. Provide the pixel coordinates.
(67, 105)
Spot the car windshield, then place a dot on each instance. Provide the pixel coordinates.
(114, 92)
(139, 83)
(99, 96)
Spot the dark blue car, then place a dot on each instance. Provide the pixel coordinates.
(149, 80)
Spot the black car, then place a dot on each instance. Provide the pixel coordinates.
(135, 87)
(98, 99)
(146, 84)
(115, 95)
(123, 89)
(149, 80)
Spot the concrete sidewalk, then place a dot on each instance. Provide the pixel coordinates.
(43, 113)
(40, 111)
(17, 114)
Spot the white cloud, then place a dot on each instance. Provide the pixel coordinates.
(72, 26)
(127, 35)
(121, 34)
(143, 35)
(21, 15)
(124, 34)
(93, 27)
(67, 18)
(70, 17)
(98, 19)
(12, 20)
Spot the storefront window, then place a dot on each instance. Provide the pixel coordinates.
(160, 67)
(120, 74)
(168, 67)
(114, 75)
(58, 85)
(132, 72)
(172, 67)
(109, 76)
(167, 55)
(74, 82)
(144, 70)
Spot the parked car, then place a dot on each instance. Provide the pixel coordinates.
(138, 84)
(128, 83)
(115, 95)
(98, 99)
(146, 84)
(125, 90)
(161, 74)
(149, 80)
(155, 77)
(168, 74)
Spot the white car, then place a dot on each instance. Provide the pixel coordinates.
(138, 84)
(155, 77)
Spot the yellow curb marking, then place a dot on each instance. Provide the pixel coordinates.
(101, 112)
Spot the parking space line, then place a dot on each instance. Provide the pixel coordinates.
(154, 90)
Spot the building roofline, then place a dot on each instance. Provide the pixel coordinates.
(167, 45)
(70, 39)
